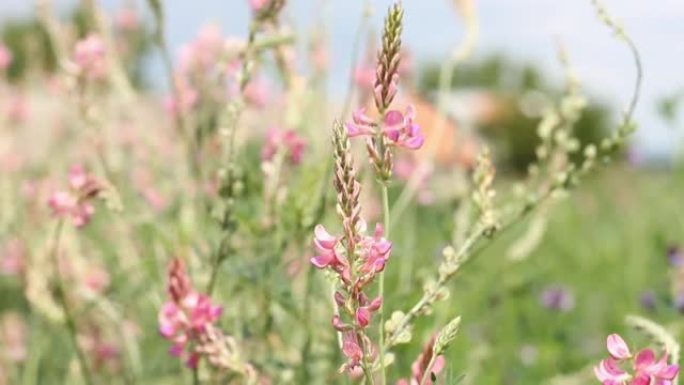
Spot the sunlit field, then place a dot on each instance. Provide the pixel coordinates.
(236, 210)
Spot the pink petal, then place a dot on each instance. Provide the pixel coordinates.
(644, 359)
(363, 316)
(359, 116)
(439, 364)
(669, 373)
(414, 143)
(642, 379)
(394, 118)
(324, 239)
(322, 260)
(609, 370)
(379, 231)
(617, 347)
(410, 112)
(375, 303)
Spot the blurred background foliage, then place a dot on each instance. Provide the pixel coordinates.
(512, 84)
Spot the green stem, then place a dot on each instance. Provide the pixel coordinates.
(381, 311)
(68, 315)
(195, 376)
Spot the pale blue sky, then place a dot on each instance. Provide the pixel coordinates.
(521, 28)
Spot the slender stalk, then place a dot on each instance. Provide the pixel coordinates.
(68, 315)
(428, 369)
(381, 311)
(366, 366)
(195, 376)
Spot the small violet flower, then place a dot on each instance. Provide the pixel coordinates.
(675, 256)
(647, 370)
(557, 297)
(76, 202)
(398, 127)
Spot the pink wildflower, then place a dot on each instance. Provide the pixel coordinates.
(202, 53)
(185, 317)
(294, 145)
(257, 93)
(13, 257)
(373, 251)
(258, 5)
(328, 256)
(398, 127)
(96, 279)
(104, 352)
(127, 19)
(76, 202)
(5, 57)
(351, 348)
(647, 370)
(89, 56)
(187, 95)
(376, 250)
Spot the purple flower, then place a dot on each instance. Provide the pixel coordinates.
(675, 256)
(557, 297)
(679, 301)
(647, 299)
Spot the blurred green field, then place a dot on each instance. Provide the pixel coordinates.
(607, 244)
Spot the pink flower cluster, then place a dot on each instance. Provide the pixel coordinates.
(204, 51)
(370, 254)
(184, 318)
(275, 138)
(5, 57)
(647, 370)
(76, 202)
(89, 57)
(398, 127)
(373, 252)
(187, 97)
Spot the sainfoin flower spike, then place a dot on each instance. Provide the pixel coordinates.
(624, 368)
(355, 257)
(392, 128)
(185, 317)
(76, 202)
